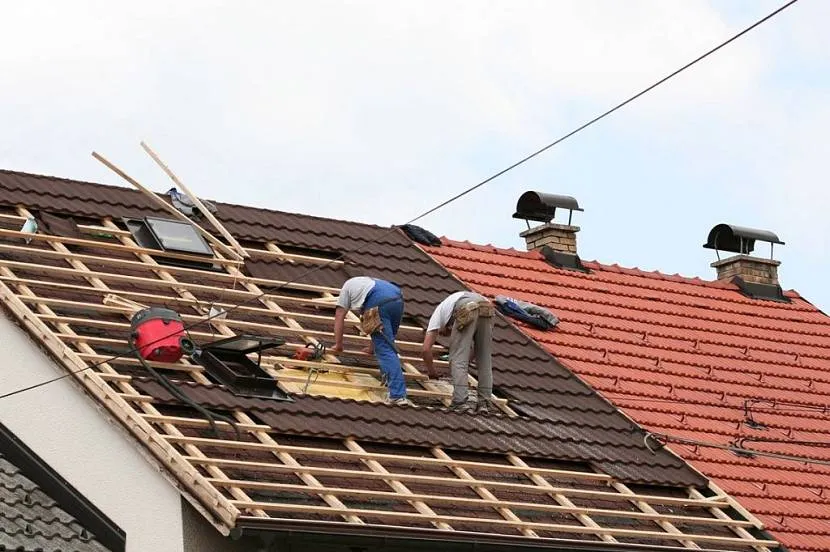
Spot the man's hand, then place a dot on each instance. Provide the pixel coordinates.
(339, 317)
(426, 352)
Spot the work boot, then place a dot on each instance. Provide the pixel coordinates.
(483, 406)
(400, 401)
(462, 407)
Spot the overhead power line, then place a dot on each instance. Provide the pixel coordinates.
(437, 207)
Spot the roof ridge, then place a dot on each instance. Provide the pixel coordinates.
(598, 265)
(131, 190)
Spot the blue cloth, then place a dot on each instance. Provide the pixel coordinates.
(389, 300)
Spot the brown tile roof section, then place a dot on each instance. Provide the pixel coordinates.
(565, 420)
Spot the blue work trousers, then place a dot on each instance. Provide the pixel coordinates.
(389, 300)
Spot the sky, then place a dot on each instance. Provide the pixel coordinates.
(377, 111)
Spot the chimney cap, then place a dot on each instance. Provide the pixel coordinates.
(541, 207)
(738, 239)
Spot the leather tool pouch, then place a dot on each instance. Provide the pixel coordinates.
(370, 321)
(466, 313)
(486, 309)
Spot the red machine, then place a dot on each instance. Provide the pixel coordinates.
(158, 334)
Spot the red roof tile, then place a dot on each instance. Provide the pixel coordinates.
(682, 356)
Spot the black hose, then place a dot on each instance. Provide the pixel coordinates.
(179, 394)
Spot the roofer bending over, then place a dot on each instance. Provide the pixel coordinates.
(467, 318)
(380, 304)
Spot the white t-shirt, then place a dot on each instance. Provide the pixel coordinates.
(354, 291)
(443, 312)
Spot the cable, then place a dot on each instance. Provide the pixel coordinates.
(442, 204)
(610, 111)
(179, 394)
(663, 438)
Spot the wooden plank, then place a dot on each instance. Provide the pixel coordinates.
(399, 459)
(109, 246)
(557, 527)
(196, 201)
(560, 498)
(191, 321)
(166, 206)
(119, 305)
(74, 338)
(122, 411)
(354, 385)
(310, 481)
(443, 499)
(167, 299)
(143, 266)
(275, 252)
(171, 429)
(181, 421)
(114, 277)
(503, 510)
(737, 529)
(397, 486)
(667, 526)
(450, 481)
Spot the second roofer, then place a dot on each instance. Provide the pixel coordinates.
(467, 318)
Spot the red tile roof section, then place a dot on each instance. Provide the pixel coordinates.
(682, 356)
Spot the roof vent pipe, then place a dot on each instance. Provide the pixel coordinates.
(541, 207)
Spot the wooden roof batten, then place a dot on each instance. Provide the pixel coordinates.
(203, 465)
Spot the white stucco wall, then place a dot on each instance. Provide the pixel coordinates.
(65, 428)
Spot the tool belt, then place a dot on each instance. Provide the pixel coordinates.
(467, 312)
(370, 321)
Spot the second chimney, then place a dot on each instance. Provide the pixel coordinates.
(559, 237)
(741, 240)
(540, 207)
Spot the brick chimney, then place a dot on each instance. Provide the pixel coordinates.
(559, 237)
(747, 267)
(750, 269)
(541, 207)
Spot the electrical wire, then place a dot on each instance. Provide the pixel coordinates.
(441, 205)
(664, 438)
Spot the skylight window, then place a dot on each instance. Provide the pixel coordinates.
(173, 235)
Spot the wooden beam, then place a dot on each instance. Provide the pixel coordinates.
(122, 411)
(557, 527)
(124, 303)
(166, 206)
(480, 502)
(410, 460)
(666, 526)
(192, 320)
(503, 510)
(449, 481)
(737, 529)
(560, 498)
(399, 459)
(109, 246)
(203, 274)
(196, 201)
(306, 478)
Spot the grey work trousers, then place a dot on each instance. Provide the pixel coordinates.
(477, 334)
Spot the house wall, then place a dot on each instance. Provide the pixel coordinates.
(65, 427)
(200, 536)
